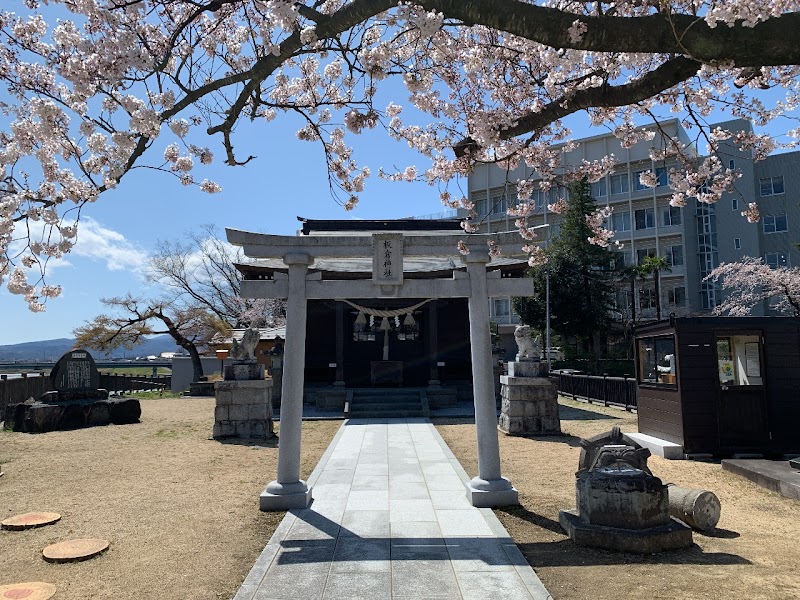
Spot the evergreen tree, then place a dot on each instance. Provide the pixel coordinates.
(581, 284)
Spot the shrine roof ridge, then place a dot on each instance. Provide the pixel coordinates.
(429, 243)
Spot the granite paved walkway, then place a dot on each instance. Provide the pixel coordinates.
(390, 519)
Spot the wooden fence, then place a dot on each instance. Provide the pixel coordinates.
(19, 389)
(134, 383)
(616, 391)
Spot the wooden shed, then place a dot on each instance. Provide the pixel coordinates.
(721, 385)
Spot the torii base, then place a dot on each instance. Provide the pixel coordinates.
(490, 494)
(270, 501)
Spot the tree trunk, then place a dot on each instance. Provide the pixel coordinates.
(657, 281)
(197, 364)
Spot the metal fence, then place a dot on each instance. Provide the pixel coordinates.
(615, 391)
(33, 385)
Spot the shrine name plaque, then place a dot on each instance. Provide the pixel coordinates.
(387, 258)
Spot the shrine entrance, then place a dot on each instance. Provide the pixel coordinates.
(383, 285)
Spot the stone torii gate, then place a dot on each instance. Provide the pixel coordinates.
(387, 249)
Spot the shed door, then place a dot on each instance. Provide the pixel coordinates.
(742, 414)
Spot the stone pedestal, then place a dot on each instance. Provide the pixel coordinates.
(623, 509)
(330, 399)
(440, 397)
(244, 409)
(529, 402)
(243, 371)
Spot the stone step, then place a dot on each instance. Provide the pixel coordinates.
(408, 398)
(386, 406)
(394, 414)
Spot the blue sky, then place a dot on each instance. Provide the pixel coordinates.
(288, 179)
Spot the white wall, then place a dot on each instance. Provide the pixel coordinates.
(182, 370)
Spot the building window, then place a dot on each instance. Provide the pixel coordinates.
(771, 186)
(542, 198)
(641, 253)
(645, 218)
(739, 360)
(676, 296)
(599, 188)
(774, 223)
(637, 183)
(737, 243)
(502, 307)
(672, 215)
(620, 260)
(732, 164)
(621, 221)
(480, 206)
(734, 204)
(776, 259)
(662, 175)
(498, 204)
(675, 255)
(619, 183)
(657, 360)
(661, 178)
(647, 298)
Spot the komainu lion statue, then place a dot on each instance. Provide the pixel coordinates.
(526, 345)
(245, 350)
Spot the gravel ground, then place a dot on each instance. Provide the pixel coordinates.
(180, 510)
(754, 553)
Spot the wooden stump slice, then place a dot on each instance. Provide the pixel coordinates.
(34, 590)
(74, 550)
(30, 520)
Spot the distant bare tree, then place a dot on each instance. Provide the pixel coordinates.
(200, 299)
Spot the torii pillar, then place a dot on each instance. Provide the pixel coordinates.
(288, 490)
(489, 488)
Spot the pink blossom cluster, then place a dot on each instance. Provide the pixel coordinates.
(749, 282)
(601, 235)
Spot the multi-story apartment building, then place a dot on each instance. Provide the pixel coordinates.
(694, 239)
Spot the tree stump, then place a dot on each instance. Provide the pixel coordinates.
(74, 417)
(124, 411)
(32, 590)
(30, 520)
(699, 509)
(99, 413)
(74, 550)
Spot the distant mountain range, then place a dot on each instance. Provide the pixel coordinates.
(51, 350)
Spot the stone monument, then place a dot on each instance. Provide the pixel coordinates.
(621, 505)
(244, 398)
(529, 402)
(76, 400)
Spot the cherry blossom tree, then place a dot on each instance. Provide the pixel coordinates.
(98, 88)
(749, 282)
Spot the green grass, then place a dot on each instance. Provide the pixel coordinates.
(152, 395)
(144, 371)
(179, 430)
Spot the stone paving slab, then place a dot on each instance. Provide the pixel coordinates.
(775, 475)
(390, 519)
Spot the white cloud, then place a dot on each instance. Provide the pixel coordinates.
(109, 246)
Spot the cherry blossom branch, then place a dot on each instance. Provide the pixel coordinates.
(669, 74)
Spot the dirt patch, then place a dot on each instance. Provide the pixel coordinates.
(754, 553)
(180, 510)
